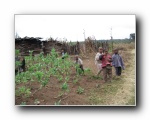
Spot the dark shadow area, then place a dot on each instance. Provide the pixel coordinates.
(139, 45)
(76, 108)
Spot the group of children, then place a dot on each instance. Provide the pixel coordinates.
(104, 62)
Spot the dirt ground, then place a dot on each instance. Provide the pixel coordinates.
(51, 93)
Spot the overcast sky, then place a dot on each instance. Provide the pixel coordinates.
(71, 26)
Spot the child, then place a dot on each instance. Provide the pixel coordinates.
(98, 62)
(106, 66)
(21, 67)
(79, 62)
(62, 54)
(117, 62)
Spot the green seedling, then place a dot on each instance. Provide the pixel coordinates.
(23, 91)
(64, 86)
(80, 90)
(17, 52)
(23, 103)
(57, 103)
(75, 81)
(60, 78)
(39, 75)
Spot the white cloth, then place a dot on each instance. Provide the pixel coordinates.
(98, 62)
(79, 61)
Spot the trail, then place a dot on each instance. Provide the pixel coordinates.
(126, 94)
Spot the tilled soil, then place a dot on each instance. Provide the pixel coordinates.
(49, 95)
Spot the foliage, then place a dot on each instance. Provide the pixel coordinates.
(58, 102)
(87, 70)
(78, 70)
(41, 68)
(64, 86)
(39, 75)
(80, 90)
(17, 52)
(23, 91)
(23, 103)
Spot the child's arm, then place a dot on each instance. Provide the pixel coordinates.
(80, 62)
(122, 64)
(97, 57)
(113, 61)
(101, 57)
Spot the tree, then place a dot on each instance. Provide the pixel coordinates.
(132, 36)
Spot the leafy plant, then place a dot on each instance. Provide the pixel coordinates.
(39, 75)
(64, 86)
(60, 78)
(58, 102)
(80, 90)
(30, 52)
(23, 91)
(67, 78)
(17, 65)
(87, 70)
(75, 81)
(78, 70)
(40, 68)
(23, 103)
(44, 82)
(17, 52)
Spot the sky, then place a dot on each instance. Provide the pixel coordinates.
(73, 27)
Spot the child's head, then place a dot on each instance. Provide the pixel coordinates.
(100, 49)
(116, 51)
(105, 51)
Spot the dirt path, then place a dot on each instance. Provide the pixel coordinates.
(126, 94)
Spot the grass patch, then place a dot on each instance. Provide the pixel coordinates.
(103, 94)
(131, 101)
(94, 77)
(96, 100)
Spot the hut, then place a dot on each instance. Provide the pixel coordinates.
(38, 45)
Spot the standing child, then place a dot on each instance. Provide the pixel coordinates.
(106, 66)
(117, 62)
(98, 62)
